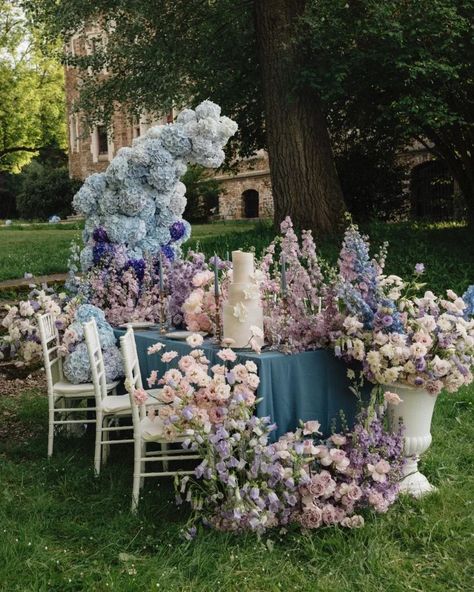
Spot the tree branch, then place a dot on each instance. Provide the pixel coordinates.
(13, 149)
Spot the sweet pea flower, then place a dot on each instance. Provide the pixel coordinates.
(419, 268)
(392, 398)
(168, 356)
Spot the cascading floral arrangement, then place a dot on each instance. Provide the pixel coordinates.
(196, 396)
(22, 341)
(246, 483)
(397, 334)
(294, 321)
(139, 201)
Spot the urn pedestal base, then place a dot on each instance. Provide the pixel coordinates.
(415, 483)
(414, 413)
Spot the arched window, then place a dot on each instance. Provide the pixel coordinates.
(431, 191)
(250, 203)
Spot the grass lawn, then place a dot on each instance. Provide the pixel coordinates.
(63, 530)
(447, 249)
(44, 249)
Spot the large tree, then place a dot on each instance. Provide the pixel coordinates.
(401, 68)
(32, 107)
(239, 53)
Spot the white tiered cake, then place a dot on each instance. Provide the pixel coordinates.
(243, 308)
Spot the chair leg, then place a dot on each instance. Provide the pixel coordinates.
(106, 447)
(98, 442)
(50, 431)
(137, 464)
(164, 448)
(142, 463)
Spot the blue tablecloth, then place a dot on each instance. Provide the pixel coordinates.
(304, 386)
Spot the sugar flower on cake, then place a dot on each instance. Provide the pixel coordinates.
(240, 312)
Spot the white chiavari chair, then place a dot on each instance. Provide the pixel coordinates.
(64, 398)
(145, 430)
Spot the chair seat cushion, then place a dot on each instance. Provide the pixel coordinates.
(116, 403)
(67, 389)
(151, 430)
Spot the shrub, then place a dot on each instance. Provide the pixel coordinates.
(45, 191)
(7, 196)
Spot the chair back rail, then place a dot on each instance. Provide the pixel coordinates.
(96, 360)
(49, 337)
(133, 378)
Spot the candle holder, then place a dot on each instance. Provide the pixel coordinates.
(217, 320)
(286, 319)
(163, 327)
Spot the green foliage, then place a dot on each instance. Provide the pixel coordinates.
(371, 177)
(45, 191)
(202, 193)
(31, 91)
(75, 532)
(165, 54)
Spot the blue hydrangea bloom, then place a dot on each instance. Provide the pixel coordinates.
(468, 298)
(139, 197)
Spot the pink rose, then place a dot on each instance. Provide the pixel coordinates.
(311, 517)
(227, 355)
(140, 396)
(338, 440)
(167, 394)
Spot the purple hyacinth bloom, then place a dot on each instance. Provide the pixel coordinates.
(138, 265)
(100, 235)
(168, 252)
(177, 230)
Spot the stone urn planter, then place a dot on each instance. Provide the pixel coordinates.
(415, 413)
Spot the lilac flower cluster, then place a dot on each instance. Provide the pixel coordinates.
(468, 298)
(293, 321)
(180, 274)
(398, 334)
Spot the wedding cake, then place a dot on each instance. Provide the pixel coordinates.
(243, 308)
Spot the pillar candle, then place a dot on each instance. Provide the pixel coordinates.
(216, 277)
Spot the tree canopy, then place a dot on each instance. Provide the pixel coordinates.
(32, 108)
(400, 67)
(396, 70)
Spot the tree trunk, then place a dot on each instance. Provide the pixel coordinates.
(305, 184)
